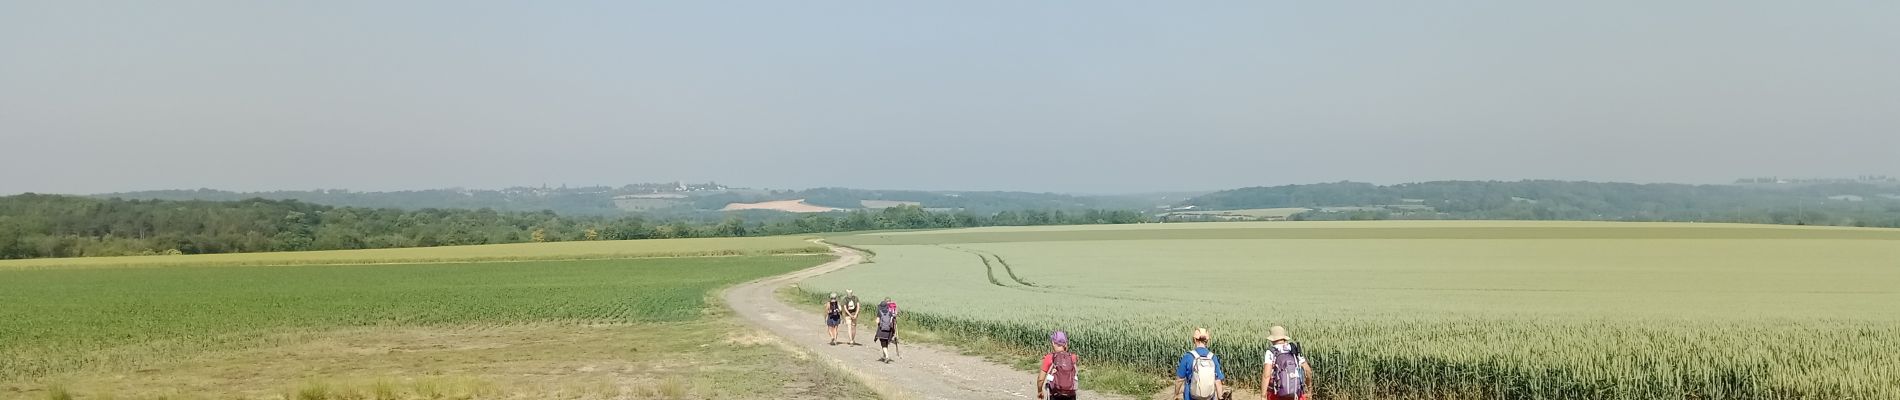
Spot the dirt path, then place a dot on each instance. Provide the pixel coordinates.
(925, 372)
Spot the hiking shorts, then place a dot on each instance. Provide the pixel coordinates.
(1062, 396)
(831, 321)
(884, 343)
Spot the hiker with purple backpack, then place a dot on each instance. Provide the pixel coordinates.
(1286, 376)
(1058, 369)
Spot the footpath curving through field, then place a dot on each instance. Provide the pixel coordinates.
(924, 372)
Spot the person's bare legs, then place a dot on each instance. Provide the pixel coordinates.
(851, 323)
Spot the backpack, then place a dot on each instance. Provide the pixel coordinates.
(887, 321)
(1204, 377)
(1062, 365)
(1286, 372)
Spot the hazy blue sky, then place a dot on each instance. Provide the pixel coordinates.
(1091, 96)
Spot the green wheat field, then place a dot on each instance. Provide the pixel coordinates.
(1432, 310)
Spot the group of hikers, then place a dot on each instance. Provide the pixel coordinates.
(1284, 374)
(845, 312)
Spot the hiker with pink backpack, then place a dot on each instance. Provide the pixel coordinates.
(1286, 376)
(887, 329)
(1058, 369)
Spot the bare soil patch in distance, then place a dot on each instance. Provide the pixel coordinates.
(797, 206)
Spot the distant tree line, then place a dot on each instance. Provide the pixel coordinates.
(1843, 204)
(35, 226)
(566, 201)
(599, 200)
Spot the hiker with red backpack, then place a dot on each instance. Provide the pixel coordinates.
(886, 328)
(1286, 376)
(1058, 369)
(1199, 375)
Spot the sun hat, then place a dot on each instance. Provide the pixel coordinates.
(1277, 333)
(834, 295)
(1200, 335)
(1060, 337)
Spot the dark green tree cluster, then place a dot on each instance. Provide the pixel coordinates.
(1847, 204)
(566, 201)
(599, 200)
(34, 226)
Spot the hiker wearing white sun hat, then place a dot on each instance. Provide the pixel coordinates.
(1285, 375)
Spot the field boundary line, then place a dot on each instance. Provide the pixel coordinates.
(346, 263)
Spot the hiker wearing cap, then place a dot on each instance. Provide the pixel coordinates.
(1285, 376)
(1058, 369)
(832, 313)
(1199, 375)
(886, 328)
(851, 314)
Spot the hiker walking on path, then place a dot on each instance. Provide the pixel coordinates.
(1199, 375)
(1286, 376)
(886, 328)
(1058, 369)
(851, 314)
(832, 313)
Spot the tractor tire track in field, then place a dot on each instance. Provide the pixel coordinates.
(924, 371)
(1011, 271)
(990, 270)
(986, 257)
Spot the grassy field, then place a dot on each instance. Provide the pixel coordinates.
(1433, 310)
(606, 249)
(566, 329)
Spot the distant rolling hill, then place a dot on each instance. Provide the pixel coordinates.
(1844, 204)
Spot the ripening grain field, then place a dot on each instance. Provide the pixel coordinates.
(1433, 310)
(66, 315)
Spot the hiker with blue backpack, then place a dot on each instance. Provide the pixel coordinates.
(1199, 375)
(1286, 376)
(1058, 369)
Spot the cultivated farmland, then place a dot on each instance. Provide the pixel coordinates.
(606, 328)
(1433, 310)
(582, 250)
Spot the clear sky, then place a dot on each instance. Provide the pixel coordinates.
(1083, 96)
